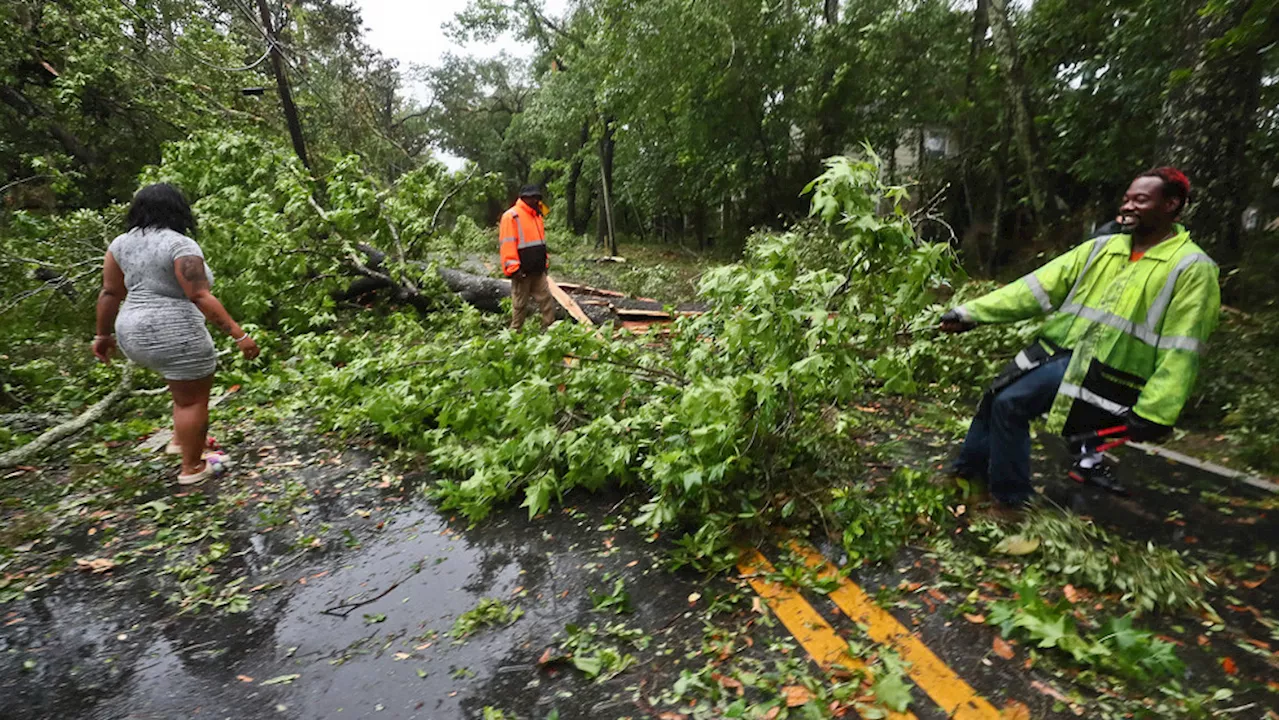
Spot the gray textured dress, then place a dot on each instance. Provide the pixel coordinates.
(158, 327)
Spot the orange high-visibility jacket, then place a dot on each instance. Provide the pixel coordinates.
(521, 233)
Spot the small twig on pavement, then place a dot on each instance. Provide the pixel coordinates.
(342, 610)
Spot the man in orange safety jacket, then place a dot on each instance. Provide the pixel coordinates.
(523, 248)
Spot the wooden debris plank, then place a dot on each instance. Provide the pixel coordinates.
(568, 303)
(628, 312)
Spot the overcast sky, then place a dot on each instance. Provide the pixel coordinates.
(412, 31)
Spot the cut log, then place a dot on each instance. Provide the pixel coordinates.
(485, 293)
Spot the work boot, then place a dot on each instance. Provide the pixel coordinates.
(971, 486)
(1000, 512)
(1099, 476)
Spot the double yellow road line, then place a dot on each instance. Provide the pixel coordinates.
(951, 693)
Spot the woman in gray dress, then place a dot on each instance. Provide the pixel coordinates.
(159, 273)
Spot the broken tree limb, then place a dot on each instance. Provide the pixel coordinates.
(486, 293)
(30, 422)
(53, 435)
(435, 217)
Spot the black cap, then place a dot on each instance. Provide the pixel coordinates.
(531, 191)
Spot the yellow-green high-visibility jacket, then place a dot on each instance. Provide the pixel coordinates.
(1135, 329)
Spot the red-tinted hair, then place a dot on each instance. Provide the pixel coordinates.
(1175, 182)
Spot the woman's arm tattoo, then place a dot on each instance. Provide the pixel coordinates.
(192, 269)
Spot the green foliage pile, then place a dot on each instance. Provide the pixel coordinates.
(1236, 390)
(1148, 577)
(877, 521)
(280, 244)
(738, 412)
(1116, 646)
(487, 612)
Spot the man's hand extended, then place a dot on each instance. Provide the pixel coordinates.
(951, 322)
(1143, 430)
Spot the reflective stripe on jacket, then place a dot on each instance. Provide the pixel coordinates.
(521, 229)
(1135, 329)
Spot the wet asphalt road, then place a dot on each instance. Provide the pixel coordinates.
(108, 655)
(108, 650)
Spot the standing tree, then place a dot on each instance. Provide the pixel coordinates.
(1212, 115)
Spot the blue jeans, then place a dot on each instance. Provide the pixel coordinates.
(998, 446)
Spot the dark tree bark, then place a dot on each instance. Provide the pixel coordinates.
(1209, 116)
(977, 40)
(606, 190)
(282, 86)
(571, 183)
(1019, 99)
(69, 142)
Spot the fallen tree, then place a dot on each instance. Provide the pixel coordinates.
(487, 293)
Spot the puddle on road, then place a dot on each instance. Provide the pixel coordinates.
(391, 658)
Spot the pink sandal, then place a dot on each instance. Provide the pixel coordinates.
(215, 464)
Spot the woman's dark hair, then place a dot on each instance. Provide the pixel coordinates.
(161, 206)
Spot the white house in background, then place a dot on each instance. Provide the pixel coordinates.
(918, 146)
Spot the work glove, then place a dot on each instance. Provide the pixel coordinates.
(1143, 430)
(952, 322)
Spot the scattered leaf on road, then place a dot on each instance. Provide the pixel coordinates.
(1014, 710)
(97, 565)
(1002, 648)
(1229, 666)
(796, 695)
(281, 679)
(244, 678)
(728, 683)
(1049, 690)
(978, 618)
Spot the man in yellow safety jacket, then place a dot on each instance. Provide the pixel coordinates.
(1128, 317)
(522, 244)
